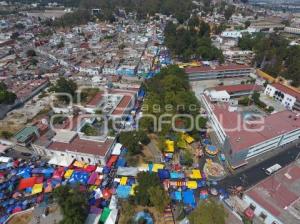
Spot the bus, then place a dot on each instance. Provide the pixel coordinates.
(273, 169)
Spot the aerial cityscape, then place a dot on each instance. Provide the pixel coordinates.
(150, 112)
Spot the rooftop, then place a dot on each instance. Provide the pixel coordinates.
(228, 67)
(244, 133)
(239, 88)
(83, 146)
(280, 194)
(287, 90)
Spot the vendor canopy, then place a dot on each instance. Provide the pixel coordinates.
(127, 171)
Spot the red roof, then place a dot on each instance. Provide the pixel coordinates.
(242, 135)
(230, 67)
(278, 192)
(83, 146)
(239, 88)
(95, 100)
(122, 106)
(287, 90)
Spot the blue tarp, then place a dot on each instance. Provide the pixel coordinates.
(189, 198)
(176, 175)
(121, 162)
(123, 191)
(79, 177)
(176, 195)
(163, 174)
(24, 172)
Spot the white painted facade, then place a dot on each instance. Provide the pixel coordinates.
(287, 101)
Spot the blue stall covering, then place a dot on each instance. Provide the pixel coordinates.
(141, 93)
(121, 162)
(176, 195)
(123, 191)
(189, 198)
(206, 142)
(24, 172)
(79, 177)
(176, 175)
(163, 174)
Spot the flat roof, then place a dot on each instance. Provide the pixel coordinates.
(83, 146)
(240, 131)
(280, 193)
(219, 68)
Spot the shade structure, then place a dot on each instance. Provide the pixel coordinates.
(211, 150)
(37, 188)
(196, 174)
(27, 183)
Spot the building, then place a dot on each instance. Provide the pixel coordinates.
(218, 72)
(236, 91)
(67, 143)
(292, 30)
(218, 96)
(288, 97)
(276, 200)
(26, 135)
(113, 102)
(243, 136)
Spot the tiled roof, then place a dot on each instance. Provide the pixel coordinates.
(287, 90)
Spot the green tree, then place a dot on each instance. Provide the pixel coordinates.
(210, 212)
(73, 204)
(158, 198)
(145, 181)
(64, 85)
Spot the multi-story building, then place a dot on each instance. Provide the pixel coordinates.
(243, 136)
(276, 199)
(218, 72)
(288, 97)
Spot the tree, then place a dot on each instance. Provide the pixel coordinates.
(158, 198)
(30, 53)
(210, 212)
(186, 158)
(229, 12)
(73, 204)
(7, 134)
(63, 85)
(132, 140)
(145, 181)
(6, 97)
(247, 24)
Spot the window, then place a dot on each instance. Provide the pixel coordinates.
(252, 207)
(263, 216)
(82, 159)
(89, 160)
(62, 154)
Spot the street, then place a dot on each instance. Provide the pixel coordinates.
(255, 174)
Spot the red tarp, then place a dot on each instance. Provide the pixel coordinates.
(90, 168)
(27, 182)
(112, 160)
(39, 180)
(58, 173)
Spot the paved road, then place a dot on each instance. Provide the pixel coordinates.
(253, 175)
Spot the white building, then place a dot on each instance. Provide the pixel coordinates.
(244, 137)
(289, 98)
